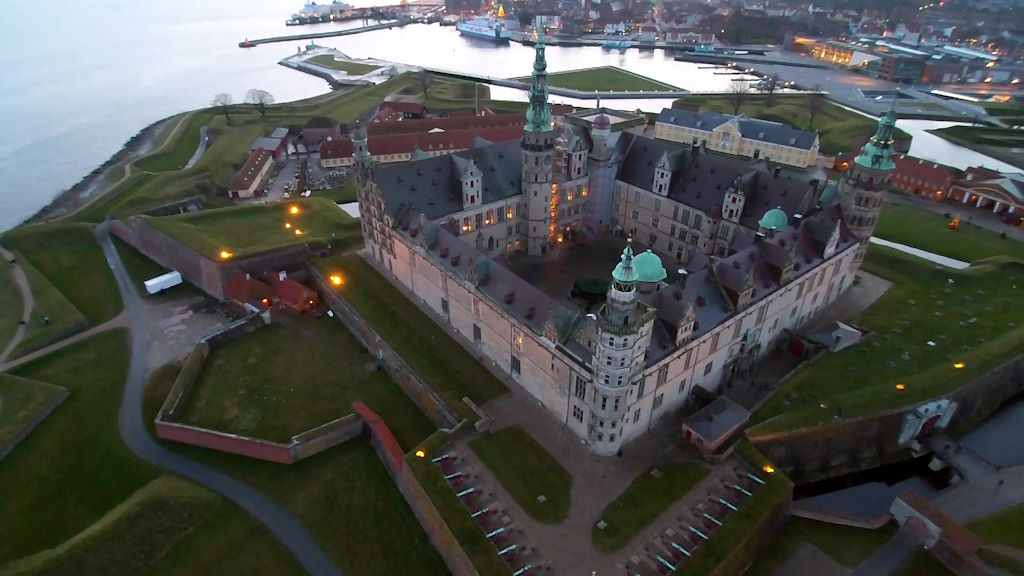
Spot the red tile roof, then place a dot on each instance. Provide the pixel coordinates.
(247, 290)
(403, 107)
(447, 124)
(387, 115)
(452, 141)
(251, 169)
(931, 175)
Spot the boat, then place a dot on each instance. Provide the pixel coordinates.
(484, 28)
(620, 45)
(313, 13)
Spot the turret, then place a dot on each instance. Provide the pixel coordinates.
(471, 188)
(735, 198)
(862, 189)
(662, 175)
(538, 144)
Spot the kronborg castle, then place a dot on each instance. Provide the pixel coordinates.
(753, 248)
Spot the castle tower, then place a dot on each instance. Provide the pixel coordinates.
(623, 334)
(370, 205)
(538, 144)
(862, 189)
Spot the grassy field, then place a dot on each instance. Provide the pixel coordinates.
(352, 68)
(141, 269)
(258, 228)
(928, 231)
(971, 323)
(752, 516)
(1011, 564)
(74, 467)
(1006, 527)
(21, 401)
(1000, 143)
(604, 79)
(645, 498)
(527, 472)
(69, 257)
(341, 194)
(294, 375)
(840, 130)
(49, 303)
(343, 496)
(10, 303)
(1010, 112)
(847, 545)
(445, 365)
(177, 151)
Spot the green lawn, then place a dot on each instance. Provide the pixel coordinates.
(341, 194)
(53, 317)
(296, 374)
(845, 544)
(69, 257)
(1000, 143)
(1006, 527)
(840, 130)
(527, 472)
(605, 79)
(1010, 112)
(343, 496)
(445, 365)
(996, 558)
(177, 151)
(352, 68)
(10, 303)
(21, 401)
(751, 518)
(141, 269)
(916, 310)
(929, 231)
(923, 564)
(74, 467)
(643, 501)
(255, 229)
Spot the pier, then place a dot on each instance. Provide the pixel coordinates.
(249, 43)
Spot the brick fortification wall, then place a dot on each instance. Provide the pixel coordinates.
(422, 395)
(426, 513)
(208, 275)
(856, 444)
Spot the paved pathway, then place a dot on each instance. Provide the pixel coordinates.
(203, 140)
(133, 431)
(28, 302)
(119, 321)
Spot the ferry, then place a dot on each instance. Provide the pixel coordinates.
(620, 45)
(313, 13)
(484, 28)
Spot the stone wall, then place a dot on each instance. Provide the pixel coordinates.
(442, 415)
(430, 519)
(325, 436)
(236, 329)
(224, 442)
(855, 444)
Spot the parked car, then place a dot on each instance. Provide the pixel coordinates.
(1012, 219)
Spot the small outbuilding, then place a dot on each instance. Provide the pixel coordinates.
(712, 425)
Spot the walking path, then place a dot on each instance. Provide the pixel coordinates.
(203, 140)
(119, 321)
(28, 303)
(133, 431)
(929, 256)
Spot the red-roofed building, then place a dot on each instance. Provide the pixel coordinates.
(244, 289)
(922, 177)
(986, 188)
(400, 147)
(406, 109)
(387, 115)
(251, 176)
(292, 294)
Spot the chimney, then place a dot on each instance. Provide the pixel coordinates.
(281, 276)
(683, 277)
(797, 220)
(776, 172)
(759, 237)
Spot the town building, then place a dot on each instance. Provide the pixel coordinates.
(984, 188)
(335, 153)
(922, 178)
(662, 339)
(277, 143)
(740, 136)
(252, 174)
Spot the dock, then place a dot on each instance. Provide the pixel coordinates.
(249, 43)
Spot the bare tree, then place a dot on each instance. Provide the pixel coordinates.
(223, 101)
(260, 99)
(738, 94)
(771, 83)
(425, 80)
(815, 102)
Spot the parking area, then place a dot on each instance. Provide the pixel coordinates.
(511, 542)
(295, 175)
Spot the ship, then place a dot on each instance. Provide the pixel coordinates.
(620, 45)
(313, 13)
(484, 28)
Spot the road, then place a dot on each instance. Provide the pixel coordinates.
(133, 431)
(199, 149)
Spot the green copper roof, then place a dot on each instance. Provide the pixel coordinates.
(648, 267)
(538, 113)
(624, 272)
(774, 218)
(877, 153)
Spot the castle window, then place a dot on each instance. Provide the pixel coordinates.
(615, 407)
(662, 375)
(708, 367)
(636, 416)
(636, 215)
(657, 401)
(611, 438)
(604, 402)
(477, 336)
(577, 413)
(600, 437)
(682, 385)
(516, 367)
(581, 388)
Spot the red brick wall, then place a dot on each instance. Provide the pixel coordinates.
(222, 442)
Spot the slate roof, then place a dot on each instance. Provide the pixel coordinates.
(717, 419)
(279, 132)
(432, 186)
(750, 128)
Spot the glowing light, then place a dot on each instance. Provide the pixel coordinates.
(959, 365)
(901, 386)
(768, 468)
(336, 279)
(420, 454)
(293, 210)
(224, 254)
(287, 225)
(265, 301)
(298, 232)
